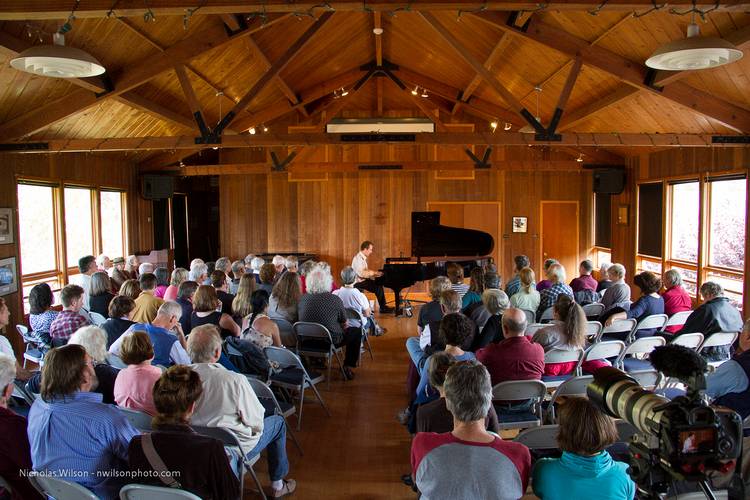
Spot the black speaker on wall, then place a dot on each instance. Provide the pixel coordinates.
(157, 187)
(609, 180)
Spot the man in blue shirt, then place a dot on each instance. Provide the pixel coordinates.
(729, 385)
(73, 435)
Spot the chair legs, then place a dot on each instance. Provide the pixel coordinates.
(320, 399)
(291, 434)
(257, 482)
(301, 402)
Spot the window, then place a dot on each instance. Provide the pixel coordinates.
(685, 219)
(36, 221)
(649, 219)
(603, 220)
(727, 223)
(79, 227)
(112, 223)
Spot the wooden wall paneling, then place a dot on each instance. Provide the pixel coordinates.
(560, 233)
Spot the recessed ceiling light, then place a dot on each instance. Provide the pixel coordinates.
(377, 31)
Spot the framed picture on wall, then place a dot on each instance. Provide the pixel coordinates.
(520, 224)
(8, 276)
(6, 226)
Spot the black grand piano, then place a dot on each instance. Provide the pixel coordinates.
(434, 246)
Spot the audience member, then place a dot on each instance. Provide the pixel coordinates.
(131, 267)
(547, 297)
(547, 282)
(71, 429)
(130, 289)
(319, 305)
(496, 302)
(604, 281)
(224, 265)
(238, 270)
(434, 416)
(5, 347)
(119, 275)
(279, 267)
(94, 340)
(650, 302)
(145, 268)
(86, 267)
(100, 294)
(585, 469)
(455, 328)
(526, 297)
(499, 469)
(716, 314)
(103, 263)
(134, 385)
(258, 328)
(185, 294)
(585, 281)
(476, 287)
(256, 264)
(120, 318)
(147, 303)
(242, 303)
(355, 300)
(15, 455)
(162, 282)
(284, 299)
(477, 312)
(198, 272)
(515, 357)
(431, 312)
(267, 277)
(618, 293)
(207, 311)
(304, 269)
(179, 275)
(514, 285)
(166, 336)
(69, 320)
(729, 384)
(456, 276)
(428, 342)
(220, 283)
(207, 474)
(41, 314)
(676, 298)
(229, 401)
(291, 264)
(196, 262)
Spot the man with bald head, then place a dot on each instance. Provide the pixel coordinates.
(515, 357)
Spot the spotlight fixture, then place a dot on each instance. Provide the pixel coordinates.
(182, 164)
(580, 158)
(215, 148)
(377, 31)
(493, 126)
(57, 61)
(415, 91)
(344, 92)
(694, 52)
(507, 126)
(251, 130)
(265, 129)
(424, 93)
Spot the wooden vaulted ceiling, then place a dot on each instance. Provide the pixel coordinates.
(707, 102)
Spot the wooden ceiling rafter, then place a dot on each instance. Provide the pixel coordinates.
(377, 24)
(278, 81)
(192, 100)
(562, 100)
(630, 72)
(51, 9)
(491, 60)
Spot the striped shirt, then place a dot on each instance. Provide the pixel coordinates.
(548, 297)
(81, 439)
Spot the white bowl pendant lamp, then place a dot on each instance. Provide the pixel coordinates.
(694, 52)
(57, 61)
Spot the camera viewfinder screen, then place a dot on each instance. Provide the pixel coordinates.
(697, 441)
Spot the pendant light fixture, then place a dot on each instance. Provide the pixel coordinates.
(528, 129)
(57, 60)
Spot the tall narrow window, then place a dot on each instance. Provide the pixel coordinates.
(113, 243)
(36, 221)
(684, 219)
(603, 220)
(79, 228)
(649, 219)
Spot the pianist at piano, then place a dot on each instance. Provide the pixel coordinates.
(368, 279)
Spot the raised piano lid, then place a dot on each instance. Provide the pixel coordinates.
(430, 239)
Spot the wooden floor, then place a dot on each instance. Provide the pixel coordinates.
(360, 451)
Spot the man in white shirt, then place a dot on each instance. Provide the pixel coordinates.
(87, 267)
(366, 279)
(229, 401)
(356, 300)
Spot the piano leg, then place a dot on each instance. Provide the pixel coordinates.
(397, 295)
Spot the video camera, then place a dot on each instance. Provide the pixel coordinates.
(684, 439)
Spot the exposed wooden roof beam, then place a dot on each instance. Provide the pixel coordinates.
(608, 140)
(578, 115)
(52, 9)
(497, 51)
(562, 100)
(130, 78)
(155, 109)
(280, 83)
(630, 72)
(192, 100)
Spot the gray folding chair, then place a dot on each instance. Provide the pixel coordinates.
(649, 379)
(593, 310)
(96, 318)
(229, 439)
(286, 332)
(605, 350)
(532, 328)
(689, 340)
(520, 390)
(641, 347)
(543, 437)
(147, 492)
(719, 339)
(575, 386)
(652, 322)
(138, 419)
(293, 375)
(623, 326)
(352, 314)
(264, 392)
(677, 319)
(33, 351)
(115, 361)
(319, 345)
(59, 489)
(559, 356)
(547, 315)
(21, 392)
(530, 316)
(593, 329)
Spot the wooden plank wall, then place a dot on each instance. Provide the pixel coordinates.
(267, 212)
(86, 169)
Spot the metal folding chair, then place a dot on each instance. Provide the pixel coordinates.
(59, 489)
(264, 392)
(148, 492)
(543, 437)
(293, 375)
(643, 347)
(608, 349)
(593, 329)
(554, 356)
(96, 318)
(677, 319)
(33, 351)
(652, 322)
(689, 340)
(353, 314)
(547, 315)
(593, 310)
(286, 332)
(532, 328)
(649, 379)
(520, 390)
(322, 345)
(719, 339)
(575, 386)
(530, 316)
(621, 326)
(138, 419)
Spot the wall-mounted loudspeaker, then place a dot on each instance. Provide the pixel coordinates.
(157, 187)
(609, 180)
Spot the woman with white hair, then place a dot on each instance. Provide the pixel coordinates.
(319, 305)
(604, 281)
(676, 298)
(618, 293)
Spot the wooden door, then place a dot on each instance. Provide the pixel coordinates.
(483, 216)
(559, 238)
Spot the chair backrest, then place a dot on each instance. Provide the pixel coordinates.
(519, 390)
(147, 492)
(644, 345)
(23, 331)
(653, 321)
(547, 315)
(619, 326)
(530, 316)
(115, 361)
(719, 339)
(690, 340)
(311, 331)
(227, 437)
(560, 356)
(96, 318)
(284, 357)
(604, 350)
(592, 310)
(59, 489)
(593, 329)
(286, 331)
(543, 437)
(575, 386)
(138, 419)
(646, 378)
(260, 388)
(532, 328)
(677, 319)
